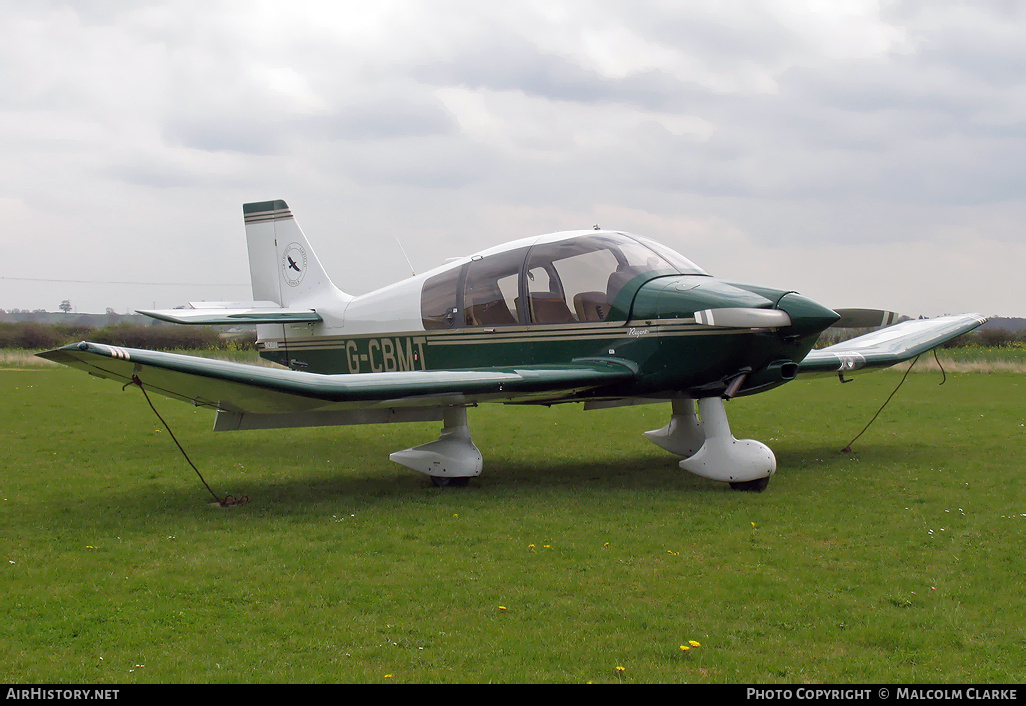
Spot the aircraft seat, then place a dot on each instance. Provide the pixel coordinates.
(618, 279)
(549, 308)
(591, 306)
(491, 312)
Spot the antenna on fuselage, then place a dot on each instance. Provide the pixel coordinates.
(412, 271)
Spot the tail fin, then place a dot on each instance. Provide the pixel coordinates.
(283, 267)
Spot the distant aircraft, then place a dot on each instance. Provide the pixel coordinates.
(595, 316)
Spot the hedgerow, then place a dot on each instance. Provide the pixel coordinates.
(37, 336)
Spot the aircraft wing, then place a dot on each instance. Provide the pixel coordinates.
(887, 346)
(275, 393)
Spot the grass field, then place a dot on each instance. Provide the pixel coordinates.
(581, 554)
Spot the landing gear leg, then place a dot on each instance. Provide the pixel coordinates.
(744, 463)
(451, 460)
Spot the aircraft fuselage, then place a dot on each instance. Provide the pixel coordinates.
(652, 324)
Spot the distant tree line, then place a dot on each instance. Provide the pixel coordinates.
(110, 318)
(989, 338)
(36, 336)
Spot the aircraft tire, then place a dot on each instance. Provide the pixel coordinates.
(758, 485)
(448, 482)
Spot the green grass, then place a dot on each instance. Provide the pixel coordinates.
(582, 547)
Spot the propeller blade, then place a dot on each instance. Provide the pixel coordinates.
(867, 318)
(743, 317)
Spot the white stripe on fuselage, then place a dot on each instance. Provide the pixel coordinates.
(408, 350)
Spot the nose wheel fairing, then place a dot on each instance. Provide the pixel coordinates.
(710, 449)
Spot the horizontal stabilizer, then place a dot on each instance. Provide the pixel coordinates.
(234, 313)
(888, 346)
(234, 305)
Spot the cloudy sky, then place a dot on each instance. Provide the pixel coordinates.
(862, 153)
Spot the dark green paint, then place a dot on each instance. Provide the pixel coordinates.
(671, 353)
(263, 206)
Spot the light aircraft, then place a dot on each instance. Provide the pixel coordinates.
(595, 316)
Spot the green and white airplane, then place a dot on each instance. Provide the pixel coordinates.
(600, 317)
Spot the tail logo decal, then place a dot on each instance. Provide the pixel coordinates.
(293, 264)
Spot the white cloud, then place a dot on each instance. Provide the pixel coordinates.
(514, 121)
(750, 135)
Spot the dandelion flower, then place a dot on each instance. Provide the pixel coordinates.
(694, 643)
(684, 648)
(620, 669)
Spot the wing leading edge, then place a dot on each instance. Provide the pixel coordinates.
(237, 389)
(888, 346)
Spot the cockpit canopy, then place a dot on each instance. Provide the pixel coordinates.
(576, 278)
